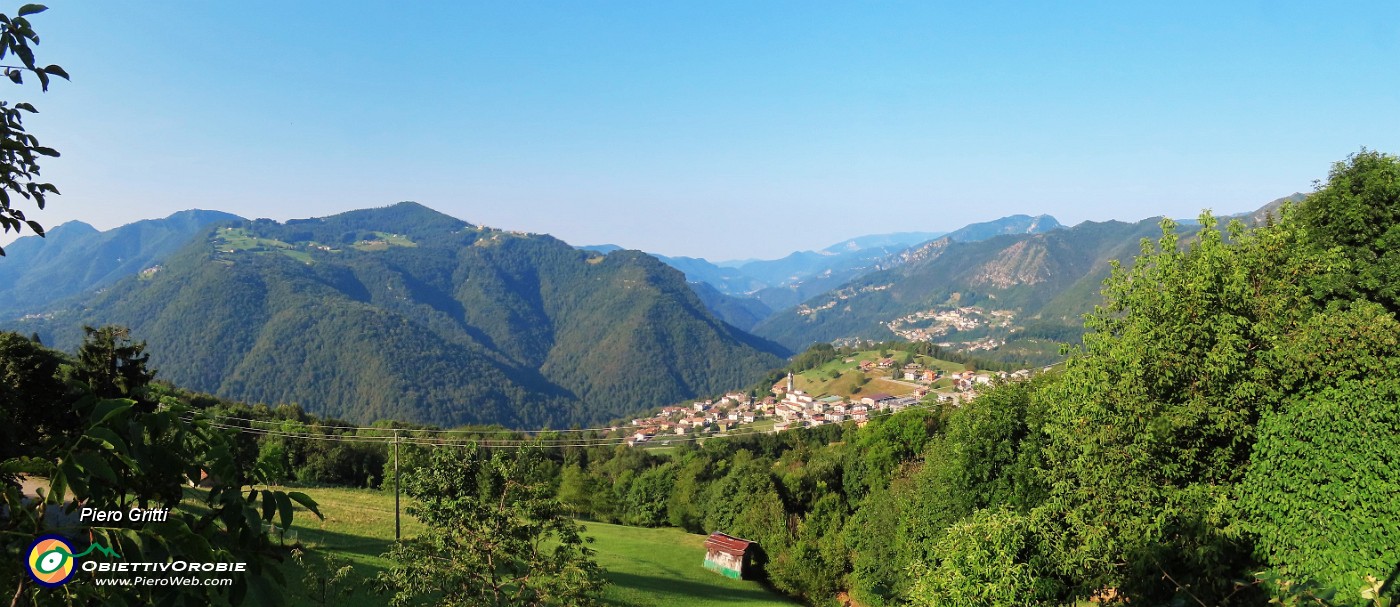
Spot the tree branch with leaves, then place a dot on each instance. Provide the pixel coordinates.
(19, 150)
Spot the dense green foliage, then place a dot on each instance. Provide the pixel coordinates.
(30, 375)
(1320, 495)
(1325, 457)
(329, 458)
(498, 537)
(405, 313)
(91, 450)
(1357, 212)
(990, 558)
(1226, 432)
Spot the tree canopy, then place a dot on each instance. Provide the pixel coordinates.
(1224, 435)
(498, 537)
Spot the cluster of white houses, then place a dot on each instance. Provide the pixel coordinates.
(795, 408)
(799, 409)
(792, 408)
(702, 417)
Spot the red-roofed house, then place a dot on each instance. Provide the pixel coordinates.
(727, 555)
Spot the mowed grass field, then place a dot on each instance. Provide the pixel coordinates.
(647, 567)
(852, 382)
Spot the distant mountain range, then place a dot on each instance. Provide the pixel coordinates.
(1000, 294)
(74, 257)
(973, 295)
(405, 313)
(402, 312)
(780, 284)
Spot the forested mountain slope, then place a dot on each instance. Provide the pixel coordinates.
(75, 257)
(805, 274)
(405, 313)
(996, 288)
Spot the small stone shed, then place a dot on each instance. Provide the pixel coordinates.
(727, 555)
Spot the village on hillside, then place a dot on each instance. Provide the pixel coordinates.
(882, 386)
(937, 324)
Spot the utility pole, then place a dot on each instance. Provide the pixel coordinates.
(396, 484)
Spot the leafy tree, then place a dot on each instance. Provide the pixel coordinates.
(894, 529)
(1318, 496)
(1358, 211)
(806, 475)
(347, 464)
(35, 405)
(574, 490)
(817, 562)
(272, 455)
(326, 578)
(1152, 422)
(886, 444)
(499, 538)
(125, 457)
(647, 497)
(991, 559)
(1322, 491)
(686, 507)
(19, 150)
(877, 570)
(992, 453)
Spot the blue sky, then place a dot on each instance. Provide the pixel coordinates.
(716, 129)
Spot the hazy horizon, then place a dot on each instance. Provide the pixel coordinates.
(11, 237)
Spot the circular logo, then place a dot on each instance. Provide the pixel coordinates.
(50, 560)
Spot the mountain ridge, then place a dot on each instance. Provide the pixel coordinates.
(1011, 296)
(403, 312)
(87, 259)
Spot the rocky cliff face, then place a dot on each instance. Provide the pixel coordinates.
(1022, 263)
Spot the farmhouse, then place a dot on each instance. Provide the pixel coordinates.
(727, 555)
(876, 400)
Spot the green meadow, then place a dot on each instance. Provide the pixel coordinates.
(646, 566)
(845, 379)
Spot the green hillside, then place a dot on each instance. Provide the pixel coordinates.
(75, 257)
(1011, 288)
(742, 312)
(405, 313)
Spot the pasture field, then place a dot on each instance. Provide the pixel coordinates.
(852, 382)
(647, 567)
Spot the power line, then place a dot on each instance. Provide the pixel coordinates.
(418, 440)
(425, 430)
(601, 429)
(490, 443)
